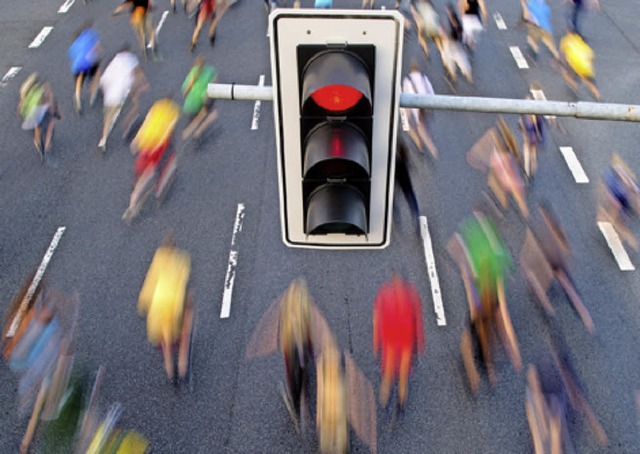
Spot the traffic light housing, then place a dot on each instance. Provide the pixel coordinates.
(336, 88)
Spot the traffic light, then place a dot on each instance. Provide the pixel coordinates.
(336, 88)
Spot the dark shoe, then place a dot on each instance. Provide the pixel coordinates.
(192, 47)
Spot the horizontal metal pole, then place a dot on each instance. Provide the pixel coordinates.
(240, 92)
(586, 110)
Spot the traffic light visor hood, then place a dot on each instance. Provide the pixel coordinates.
(336, 208)
(339, 150)
(336, 81)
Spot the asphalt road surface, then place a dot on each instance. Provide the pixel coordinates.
(229, 178)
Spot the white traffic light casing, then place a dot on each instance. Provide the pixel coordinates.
(336, 82)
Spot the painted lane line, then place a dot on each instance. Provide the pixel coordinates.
(404, 120)
(237, 225)
(574, 165)
(518, 57)
(499, 21)
(159, 27)
(538, 95)
(40, 38)
(230, 277)
(66, 6)
(36, 280)
(433, 273)
(13, 71)
(256, 107)
(613, 240)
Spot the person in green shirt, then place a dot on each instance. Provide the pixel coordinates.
(197, 104)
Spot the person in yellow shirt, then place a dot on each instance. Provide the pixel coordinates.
(577, 58)
(165, 301)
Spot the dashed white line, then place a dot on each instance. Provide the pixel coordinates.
(66, 6)
(404, 120)
(230, 277)
(574, 165)
(256, 107)
(499, 21)
(433, 273)
(613, 240)
(40, 38)
(159, 27)
(518, 57)
(13, 71)
(36, 280)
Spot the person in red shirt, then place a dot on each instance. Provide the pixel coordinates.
(398, 333)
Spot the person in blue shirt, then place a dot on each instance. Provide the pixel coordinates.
(537, 15)
(326, 4)
(84, 54)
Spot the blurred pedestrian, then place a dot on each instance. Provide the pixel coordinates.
(212, 11)
(418, 83)
(151, 144)
(576, 11)
(122, 79)
(619, 199)
(577, 60)
(295, 325)
(38, 110)
(484, 260)
(532, 128)
(167, 305)
(427, 23)
(545, 257)
(403, 178)
(197, 104)
(85, 53)
(537, 16)
(454, 56)
(331, 421)
(141, 20)
(554, 397)
(398, 334)
(474, 15)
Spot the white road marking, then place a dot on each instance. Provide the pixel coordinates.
(518, 57)
(574, 165)
(159, 27)
(613, 240)
(66, 6)
(404, 120)
(40, 38)
(433, 273)
(538, 95)
(233, 263)
(13, 71)
(256, 107)
(499, 21)
(36, 280)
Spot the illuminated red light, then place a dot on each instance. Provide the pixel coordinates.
(336, 98)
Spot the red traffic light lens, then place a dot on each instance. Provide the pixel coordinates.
(337, 97)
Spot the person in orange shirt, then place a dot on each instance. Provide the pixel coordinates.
(397, 333)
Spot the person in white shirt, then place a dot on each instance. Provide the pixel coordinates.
(122, 78)
(417, 82)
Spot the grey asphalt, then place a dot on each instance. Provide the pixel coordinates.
(235, 405)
